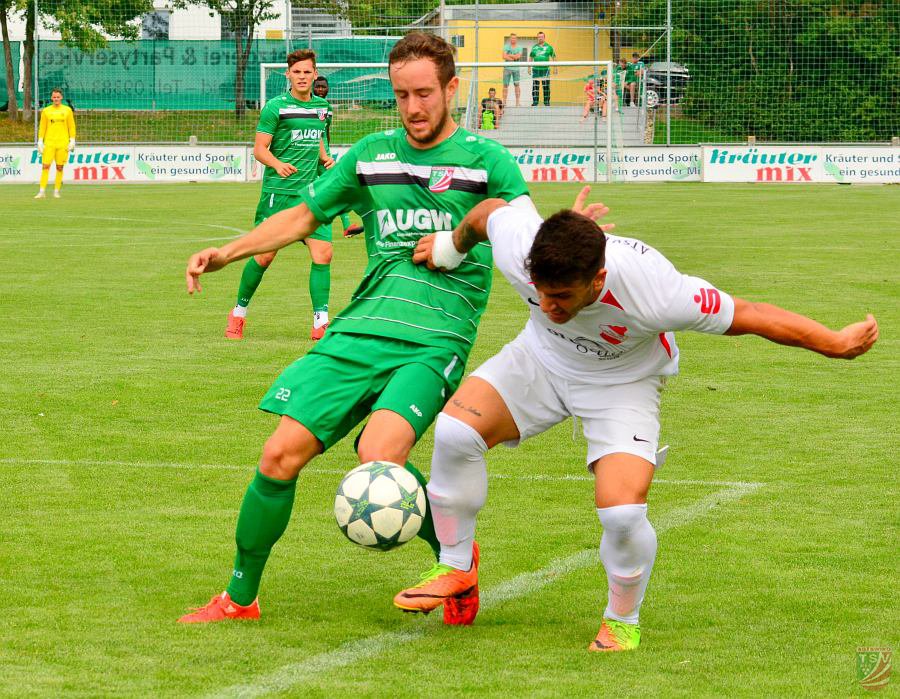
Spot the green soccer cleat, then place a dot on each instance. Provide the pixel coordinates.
(616, 635)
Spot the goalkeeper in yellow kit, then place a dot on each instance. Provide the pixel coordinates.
(56, 139)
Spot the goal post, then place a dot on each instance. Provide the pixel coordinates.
(363, 101)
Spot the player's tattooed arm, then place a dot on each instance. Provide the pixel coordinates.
(473, 228)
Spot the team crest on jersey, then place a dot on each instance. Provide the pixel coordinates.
(440, 179)
(613, 334)
(323, 114)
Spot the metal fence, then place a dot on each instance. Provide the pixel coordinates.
(702, 71)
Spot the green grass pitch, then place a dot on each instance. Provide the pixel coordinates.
(131, 431)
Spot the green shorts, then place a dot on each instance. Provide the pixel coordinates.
(272, 202)
(347, 376)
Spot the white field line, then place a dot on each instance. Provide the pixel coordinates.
(289, 676)
(294, 674)
(311, 471)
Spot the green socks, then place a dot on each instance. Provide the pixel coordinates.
(426, 531)
(319, 286)
(250, 279)
(264, 516)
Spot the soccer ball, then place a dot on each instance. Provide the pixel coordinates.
(379, 505)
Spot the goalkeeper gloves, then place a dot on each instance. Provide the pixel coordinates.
(71, 144)
(41, 146)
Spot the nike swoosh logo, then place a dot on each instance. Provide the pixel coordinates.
(638, 439)
(533, 302)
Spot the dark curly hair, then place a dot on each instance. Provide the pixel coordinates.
(568, 248)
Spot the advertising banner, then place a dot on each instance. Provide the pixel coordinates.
(843, 164)
(193, 164)
(106, 164)
(645, 164)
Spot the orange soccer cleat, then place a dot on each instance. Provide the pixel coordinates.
(461, 610)
(353, 230)
(441, 585)
(235, 329)
(318, 333)
(220, 608)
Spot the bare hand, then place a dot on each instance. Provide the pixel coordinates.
(208, 260)
(594, 211)
(422, 253)
(328, 162)
(285, 169)
(857, 338)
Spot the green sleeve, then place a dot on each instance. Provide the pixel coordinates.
(268, 119)
(531, 53)
(505, 179)
(337, 190)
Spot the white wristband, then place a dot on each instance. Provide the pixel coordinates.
(444, 253)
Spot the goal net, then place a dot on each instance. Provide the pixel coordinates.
(582, 114)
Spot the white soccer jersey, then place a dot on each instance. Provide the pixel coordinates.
(627, 333)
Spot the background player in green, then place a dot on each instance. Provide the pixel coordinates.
(290, 142)
(399, 349)
(634, 69)
(544, 53)
(320, 89)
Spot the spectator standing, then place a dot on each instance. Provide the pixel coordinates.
(512, 53)
(633, 73)
(541, 52)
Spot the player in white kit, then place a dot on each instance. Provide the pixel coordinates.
(598, 346)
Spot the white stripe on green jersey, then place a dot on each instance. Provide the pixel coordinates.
(296, 128)
(409, 193)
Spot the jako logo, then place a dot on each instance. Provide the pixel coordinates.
(420, 220)
(386, 156)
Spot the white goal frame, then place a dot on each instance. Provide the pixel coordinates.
(597, 65)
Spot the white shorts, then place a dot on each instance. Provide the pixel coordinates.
(617, 418)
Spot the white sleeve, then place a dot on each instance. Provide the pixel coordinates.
(695, 304)
(511, 231)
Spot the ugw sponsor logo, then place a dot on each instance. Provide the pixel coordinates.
(418, 220)
(306, 134)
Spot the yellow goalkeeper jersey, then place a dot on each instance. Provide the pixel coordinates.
(57, 126)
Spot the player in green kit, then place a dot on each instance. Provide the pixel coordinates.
(399, 349)
(320, 89)
(290, 142)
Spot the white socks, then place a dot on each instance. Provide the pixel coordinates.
(627, 550)
(320, 318)
(239, 312)
(457, 489)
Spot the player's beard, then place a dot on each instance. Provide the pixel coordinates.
(433, 132)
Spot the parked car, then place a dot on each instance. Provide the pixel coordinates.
(656, 82)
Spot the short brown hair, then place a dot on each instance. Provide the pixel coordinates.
(301, 55)
(568, 248)
(417, 45)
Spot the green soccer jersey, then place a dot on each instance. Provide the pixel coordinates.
(404, 193)
(540, 53)
(631, 71)
(296, 128)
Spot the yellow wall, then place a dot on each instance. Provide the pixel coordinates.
(572, 41)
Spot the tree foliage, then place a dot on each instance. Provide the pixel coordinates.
(787, 70)
(240, 18)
